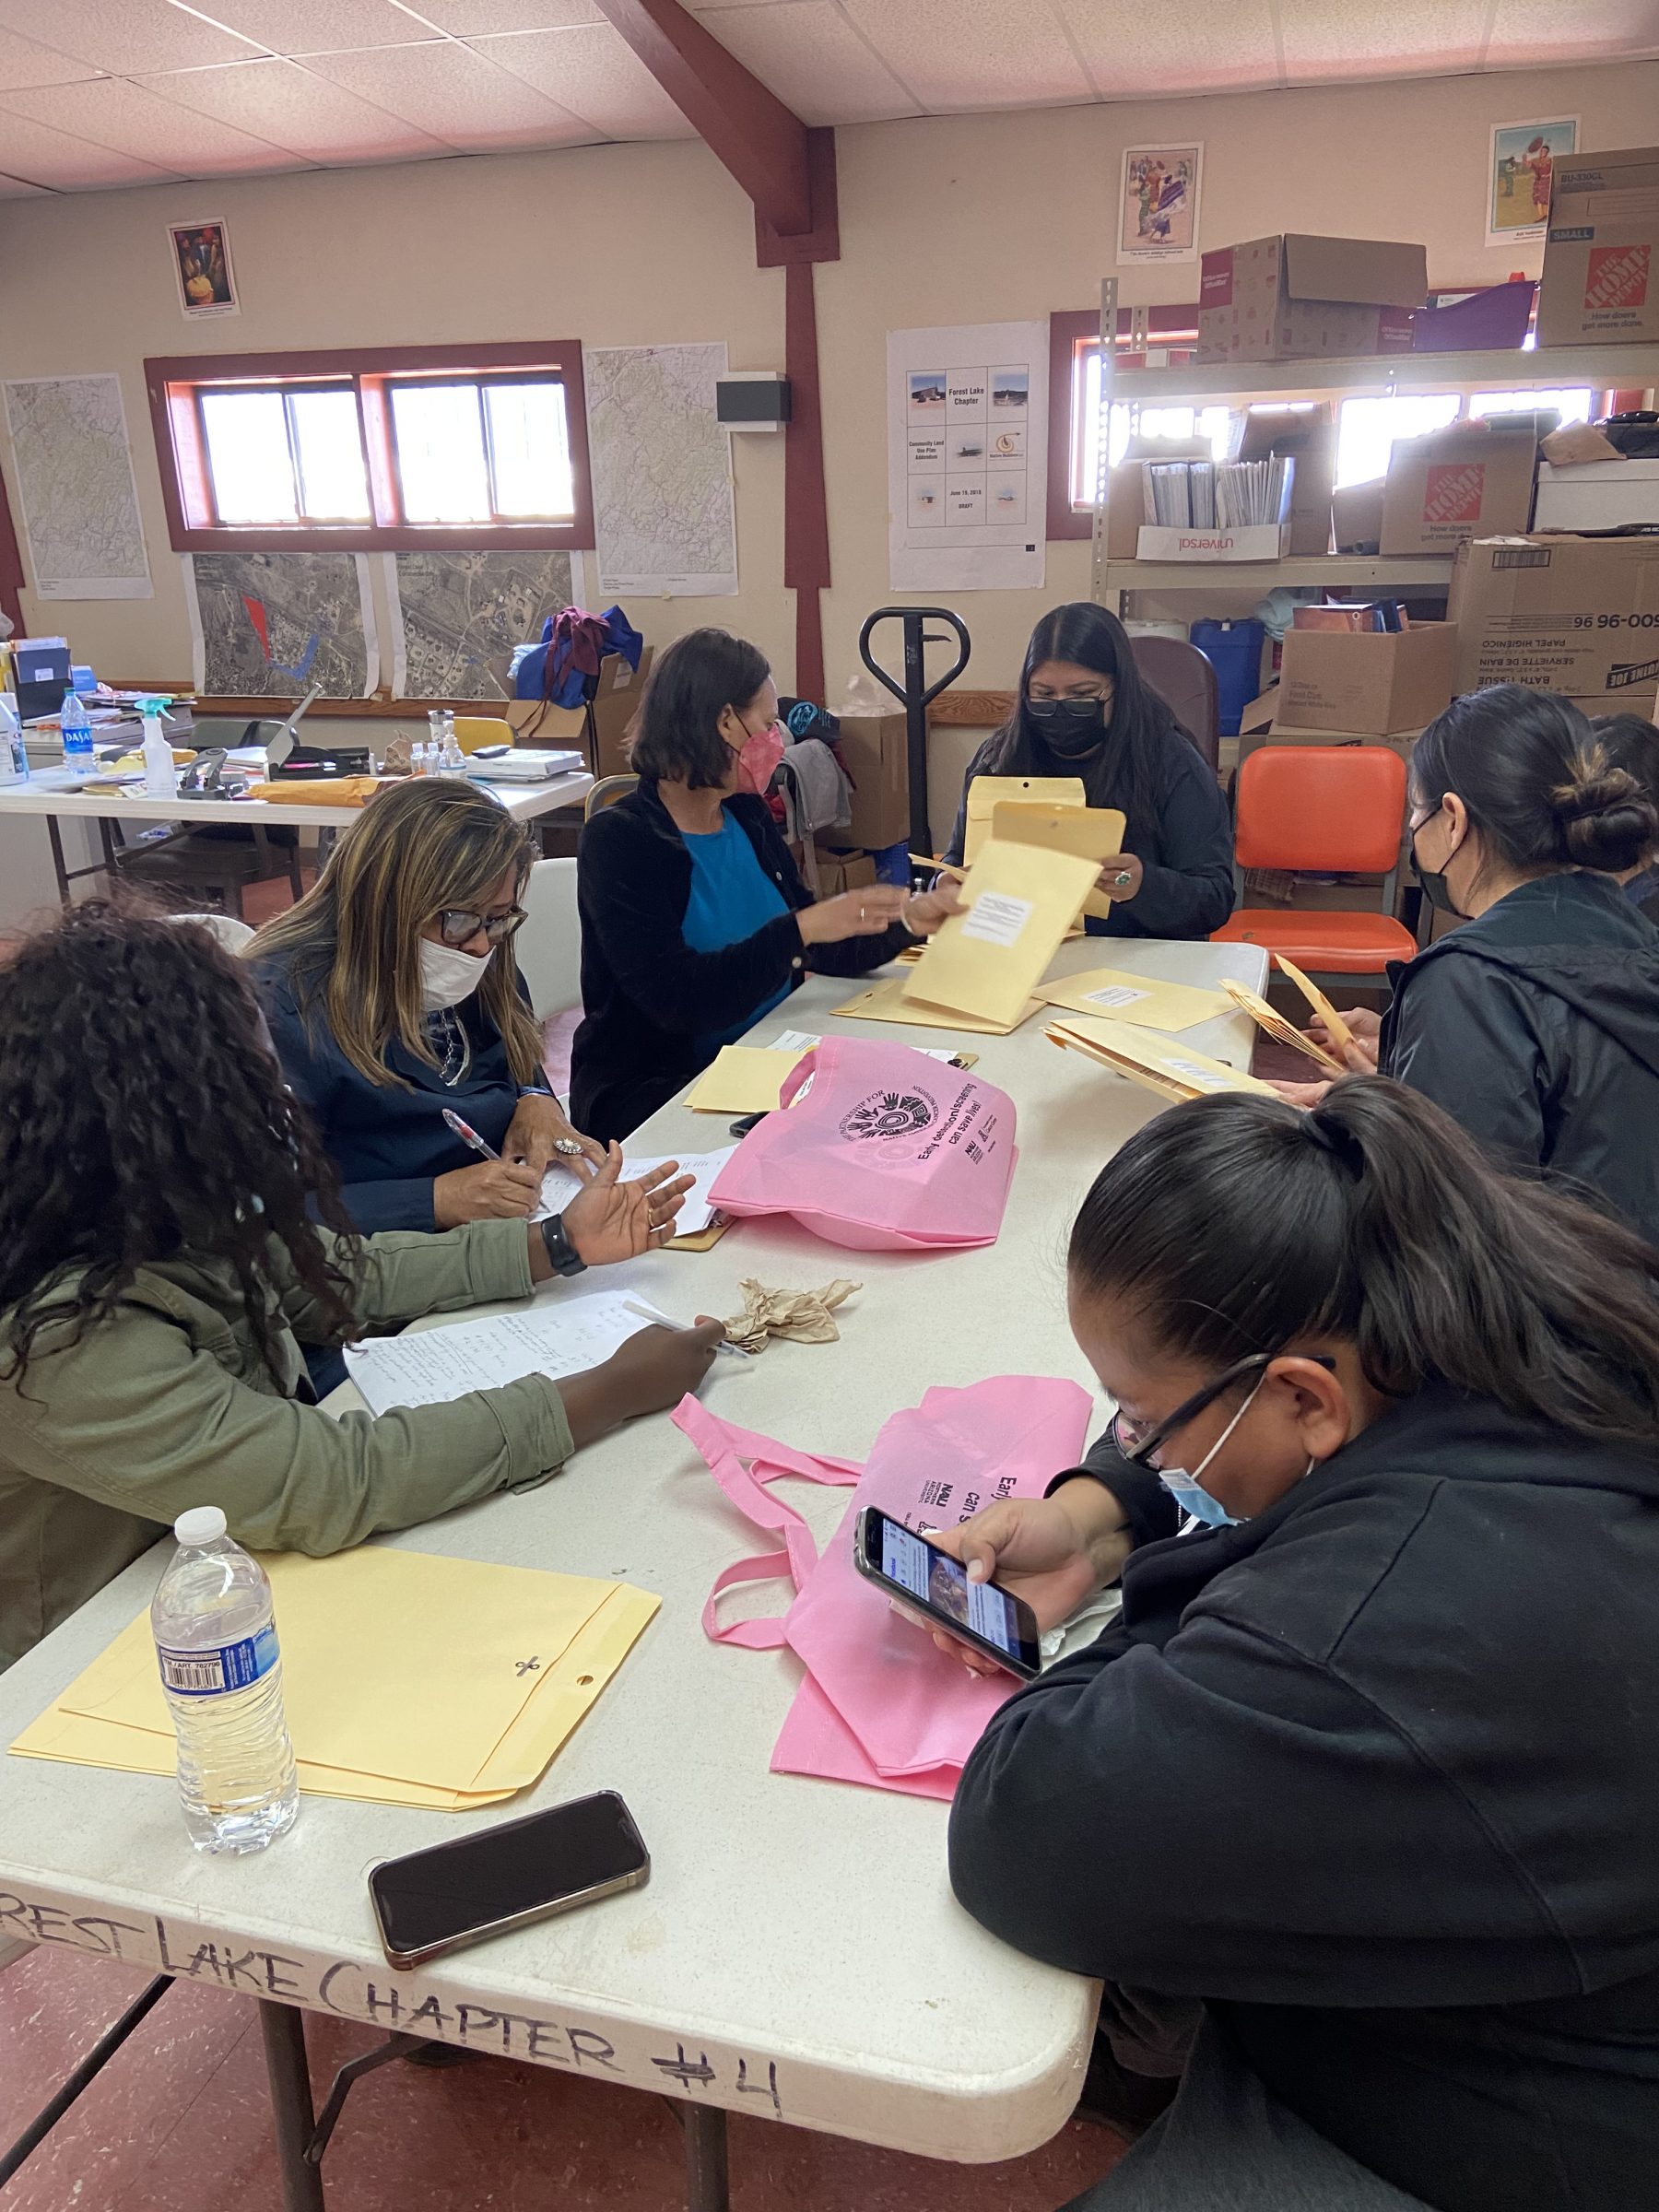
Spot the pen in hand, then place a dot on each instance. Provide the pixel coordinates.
(469, 1136)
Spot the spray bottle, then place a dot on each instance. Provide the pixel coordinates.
(160, 776)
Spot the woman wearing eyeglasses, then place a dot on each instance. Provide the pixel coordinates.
(391, 994)
(1355, 1812)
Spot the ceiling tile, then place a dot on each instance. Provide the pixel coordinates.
(291, 107)
(23, 62)
(456, 94)
(970, 53)
(1180, 46)
(808, 54)
(315, 25)
(591, 73)
(14, 188)
(124, 36)
(1326, 40)
(40, 156)
(128, 120)
(1530, 33)
(480, 18)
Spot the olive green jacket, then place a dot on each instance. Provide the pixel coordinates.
(167, 1403)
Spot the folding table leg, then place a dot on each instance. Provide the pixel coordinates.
(706, 2186)
(291, 2114)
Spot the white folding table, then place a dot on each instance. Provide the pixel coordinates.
(797, 1953)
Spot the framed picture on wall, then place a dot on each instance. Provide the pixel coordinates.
(1158, 209)
(200, 254)
(1520, 174)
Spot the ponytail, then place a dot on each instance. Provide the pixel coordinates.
(1239, 1224)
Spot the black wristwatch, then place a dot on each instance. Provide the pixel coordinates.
(561, 1252)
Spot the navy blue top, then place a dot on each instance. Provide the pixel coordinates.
(389, 1143)
(731, 897)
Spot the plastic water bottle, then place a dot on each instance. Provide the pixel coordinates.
(221, 1670)
(452, 758)
(75, 727)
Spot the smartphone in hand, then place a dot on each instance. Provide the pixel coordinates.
(930, 1583)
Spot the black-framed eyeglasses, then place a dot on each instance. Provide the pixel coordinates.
(1137, 1441)
(457, 927)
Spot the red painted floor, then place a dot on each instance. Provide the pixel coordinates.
(178, 2122)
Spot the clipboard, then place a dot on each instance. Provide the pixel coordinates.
(1282, 1031)
(1175, 1071)
(1341, 1036)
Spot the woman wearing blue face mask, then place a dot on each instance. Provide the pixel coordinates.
(1086, 711)
(1354, 1811)
(695, 922)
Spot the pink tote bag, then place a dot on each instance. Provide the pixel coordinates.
(881, 1148)
(881, 1704)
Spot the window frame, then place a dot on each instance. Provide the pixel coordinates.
(176, 384)
(1070, 329)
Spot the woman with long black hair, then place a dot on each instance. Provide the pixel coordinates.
(1354, 1811)
(1085, 710)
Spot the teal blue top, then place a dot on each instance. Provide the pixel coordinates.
(731, 897)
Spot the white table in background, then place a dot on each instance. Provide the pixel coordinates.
(525, 802)
(796, 1953)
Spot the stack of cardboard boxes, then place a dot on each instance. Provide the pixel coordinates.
(1355, 687)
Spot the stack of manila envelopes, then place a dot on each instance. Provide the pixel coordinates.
(1161, 1063)
(1052, 811)
(887, 1002)
(1019, 902)
(1150, 1004)
(407, 1679)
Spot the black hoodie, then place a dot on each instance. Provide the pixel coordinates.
(1537, 1026)
(1377, 1775)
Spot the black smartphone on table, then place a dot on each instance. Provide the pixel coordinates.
(932, 1584)
(435, 1901)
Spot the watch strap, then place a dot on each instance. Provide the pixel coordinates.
(562, 1255)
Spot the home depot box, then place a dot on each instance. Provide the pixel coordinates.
(1601, 253)
(1309, 436)
(1470, 480)
(1372, 682)
(873, 752)
(1575, 615)
(1296, 297)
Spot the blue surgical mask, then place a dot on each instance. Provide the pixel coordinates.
(1186, 1489)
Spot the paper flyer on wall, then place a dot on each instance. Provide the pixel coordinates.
(967, 457)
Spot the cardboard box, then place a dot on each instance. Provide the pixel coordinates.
(1574, 615)
(1295, 297)
(1602, 495)
(842, 871)
(616, 703)
(1372, 682)
(1469, 480)
(1601, 253)
(1125, 510)
(1309, 436)
(873, 749)
(1255, 541)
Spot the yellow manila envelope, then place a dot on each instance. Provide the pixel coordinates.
(1173, 1069)
(1338, 1030)
(742, 1079)
(1019, 903)
(1092, 832)
(887, 1002)
(408, 1678)
(985, 793)
(1116, 995)
(1279, 1029)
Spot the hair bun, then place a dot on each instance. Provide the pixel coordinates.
(1607, 821)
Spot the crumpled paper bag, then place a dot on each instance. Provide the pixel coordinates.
(803, 1316)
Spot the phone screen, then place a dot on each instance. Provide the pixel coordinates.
(520, 1868)
(941, 1583)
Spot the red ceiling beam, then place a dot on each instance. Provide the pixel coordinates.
(759, 139)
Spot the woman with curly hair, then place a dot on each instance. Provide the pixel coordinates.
(393, 992)
(159, 1261)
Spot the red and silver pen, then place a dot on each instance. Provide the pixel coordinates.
(469, 1136)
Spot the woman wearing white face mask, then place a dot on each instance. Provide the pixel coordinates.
(695, 922)
(391, 994)
(1354, 1811)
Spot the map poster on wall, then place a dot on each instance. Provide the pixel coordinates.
(78, 500)
(967, 457)
(271, 625)
(664, 520)
(455, 617)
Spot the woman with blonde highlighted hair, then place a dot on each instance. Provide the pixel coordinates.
(392, 994)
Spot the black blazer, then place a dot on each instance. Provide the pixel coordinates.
(647, 996)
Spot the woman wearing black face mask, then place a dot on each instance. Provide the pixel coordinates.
(1536, 1024)
(1085, 710)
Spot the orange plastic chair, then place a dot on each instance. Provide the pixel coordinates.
(1318, 809)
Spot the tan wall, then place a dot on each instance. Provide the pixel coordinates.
(964, 219)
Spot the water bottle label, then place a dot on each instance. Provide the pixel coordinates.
(210, 1673)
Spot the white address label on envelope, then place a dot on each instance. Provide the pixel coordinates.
(997, 918)
(1115, 994)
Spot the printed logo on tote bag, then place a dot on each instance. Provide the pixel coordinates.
(890, 1113)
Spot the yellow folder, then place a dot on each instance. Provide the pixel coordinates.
(985, 793)
(887, 1002)
(1092, 832)
(1019, 903)
(1173, 1069)
(742, 1079)
(409, 1679)
(1115, 993)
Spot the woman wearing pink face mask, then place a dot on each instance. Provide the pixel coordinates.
(695, 922)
